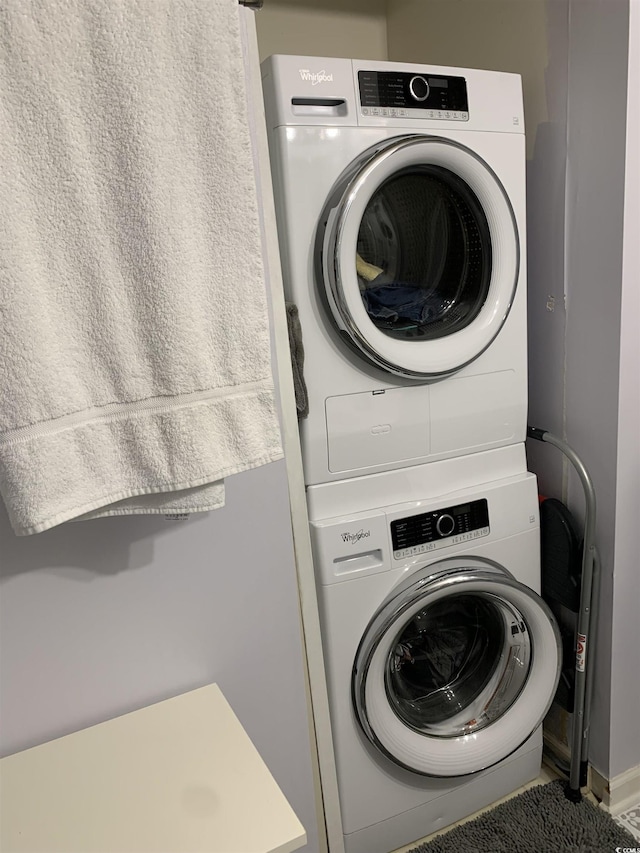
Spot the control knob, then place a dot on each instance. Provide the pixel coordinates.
(445, 525)
(418, 88)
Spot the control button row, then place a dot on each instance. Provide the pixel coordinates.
(466, 537)
(392, 112)
(384, 111)
(440, 543)
(417, 549)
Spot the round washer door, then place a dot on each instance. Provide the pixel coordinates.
(418, 255)
(456, 669)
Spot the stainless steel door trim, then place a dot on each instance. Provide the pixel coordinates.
(496, 581)
(330, 238)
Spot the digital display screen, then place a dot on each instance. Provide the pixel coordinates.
(439, 82)
(463, 509)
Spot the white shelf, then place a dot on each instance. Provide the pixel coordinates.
(175, 777)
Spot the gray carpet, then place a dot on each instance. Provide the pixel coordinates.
(541, 820)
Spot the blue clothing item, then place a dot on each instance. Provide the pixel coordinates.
(400, 301)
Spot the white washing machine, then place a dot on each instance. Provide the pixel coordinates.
(400, 198)
(441, 657)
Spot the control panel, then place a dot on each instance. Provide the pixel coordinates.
(418, 534)
(396, 94)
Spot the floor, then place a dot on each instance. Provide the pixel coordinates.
(630, 819)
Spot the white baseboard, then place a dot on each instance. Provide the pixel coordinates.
(617, 794)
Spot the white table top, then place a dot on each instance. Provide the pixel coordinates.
(175, 777)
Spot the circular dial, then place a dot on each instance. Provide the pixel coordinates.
(445, 525)
(419, 88)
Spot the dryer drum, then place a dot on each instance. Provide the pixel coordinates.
(456, 669)
(427, 235)
(417, 255)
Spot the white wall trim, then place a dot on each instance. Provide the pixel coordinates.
(618, 794)
(326, 783)
(624, 747)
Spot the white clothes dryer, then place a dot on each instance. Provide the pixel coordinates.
(400, 199)
(441, 657)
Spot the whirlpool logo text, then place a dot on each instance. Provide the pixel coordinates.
(352, 538)
(315, 77)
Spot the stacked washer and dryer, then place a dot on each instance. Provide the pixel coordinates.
(400, 198)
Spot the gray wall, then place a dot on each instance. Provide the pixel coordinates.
(546, 225)
(352, 28)
(102, 617)
(500, 35)
(594, 204)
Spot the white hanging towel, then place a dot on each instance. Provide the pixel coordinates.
(135, 356)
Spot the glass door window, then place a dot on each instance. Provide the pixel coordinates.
(458, 664)
(423, 256)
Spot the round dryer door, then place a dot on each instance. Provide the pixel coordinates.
(456, 669)
(418, 255)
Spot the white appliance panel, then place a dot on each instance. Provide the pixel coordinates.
(374, 428)
(384, 805)
(312, 144)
